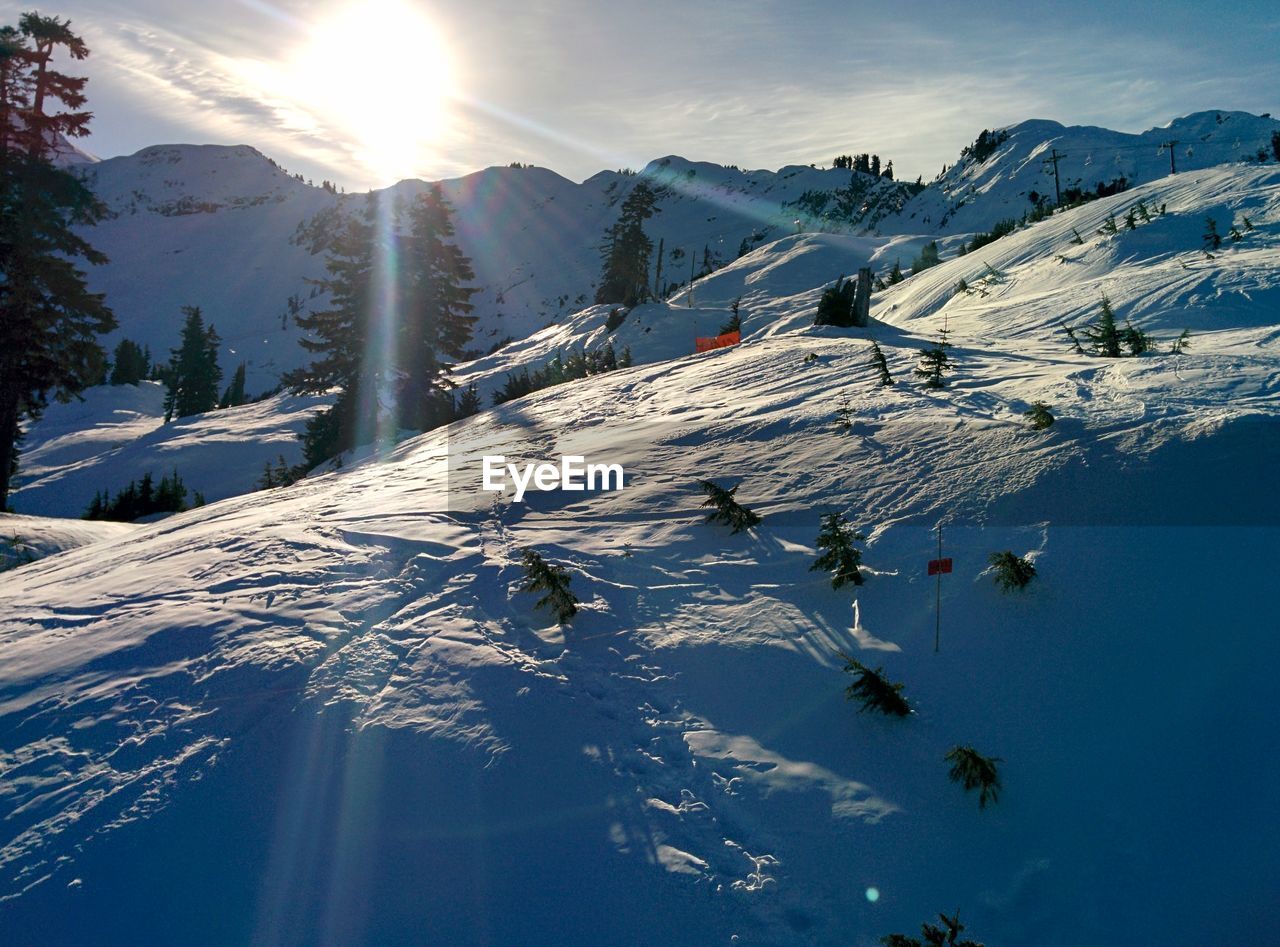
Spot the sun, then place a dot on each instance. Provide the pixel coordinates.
(378, 73)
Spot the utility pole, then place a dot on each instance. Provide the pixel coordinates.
(1173, 168)
(1054, 157)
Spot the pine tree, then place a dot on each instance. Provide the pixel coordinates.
(1076, 238)
(1212, 241)
(935, 362)
(728, 511)
(193, 376)
(840, 557)
(928, 257)
(234, 394)
(435, 320)
(935, 935)
(552, 579)
(1039, 416)
(881, 365)
(48, 319)
(1104, 335)
(468, 402)
(835, 306)
(625, 251)
(895, 274)
(874, 690)
(339, 337)
(976, 771)
(1110, 226)
(427, 321)
(130, 363)
(1012, 572)
(734, 323)
(844, 414)
(1181, 343)
(1135, 340)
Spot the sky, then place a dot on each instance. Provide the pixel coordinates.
(366, 92)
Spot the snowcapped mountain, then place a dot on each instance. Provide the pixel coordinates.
(329, 713)
(981, 189)
(215, 226)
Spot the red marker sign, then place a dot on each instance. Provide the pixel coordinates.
(717, 342)
(939, 566)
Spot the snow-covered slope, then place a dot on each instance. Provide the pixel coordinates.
(974, 194)
(215, 226)
(117, 434)
(329, 713)
(24, 539)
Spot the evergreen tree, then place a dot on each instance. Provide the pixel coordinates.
(130, 363)
(234, 394)
(935, 363)
(1135, 340)
(928, 257)
(840, 557)
(881, 365)
(844, 413)
(48, 319)
(1110, 227)
(935, 935)
(468, 402)
(1181, 343)
(1275, 145)
(193, 375)
(874, 690)
(895, 274)
(728, 511)
(734, 323)
(1039, 416)
(435, 322)
(976, 771)
(1011, 572)
(835, 306)
(424, 322)
(625, 251)
(1076, 238)
(339, 337)
(552, 579)
(1212, 240)
(1104, 335)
